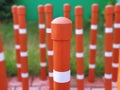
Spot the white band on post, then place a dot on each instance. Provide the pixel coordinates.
(48, 30)
(93, 27)
(17, 46)
(117, 25)
(116, 46)
(24, 75)
(50, 52)
(43, 64)
(42, 45)
(79, 54)
(108, 54)
(50, 74)
(92, 46)
(22, 31)
(115, 65)
(92, 66)
(18, 65)
(41, 26)
(2, 56)
(80, 77)
(16, 26)
(23, 54)
(79, 31)
(108, 30)
(108, 76)
(61, 77)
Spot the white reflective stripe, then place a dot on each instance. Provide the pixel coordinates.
(17, 46)
(23, 54)
(42, 45)
(41, 26)
(92, 46)
(16, 26)
(80, 77)
(48, 30)
(79, 54)
(114, 83)
(50, 74)
(93, 27)
(61, 77)
(43, 64)
(117, 25)
(50, 53)
(24, 75)
(108, 54)
(116, 46)
(18, 65)
(22, 31)
(108, 30)
(108, 76)
(92, 66)
(2, 56)
(79, 31)
(115, 65)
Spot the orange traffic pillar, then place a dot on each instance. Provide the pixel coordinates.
(108, 46)
(48, 11)
(23, 47)
(61, 35)
(42, 45)
(93, 39)
(66, 10)
(3, 76)
(116, 45)
(79, 47)
(17, 42)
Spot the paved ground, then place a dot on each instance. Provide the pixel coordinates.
(36, 84)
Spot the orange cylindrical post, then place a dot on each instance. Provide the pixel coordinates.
(42, 45)
(108, 46)
(17, 42)
(93, 39)
(48, 11)
(79, 47)
(23, 46)
(116, 45)
(66, 10)
(61, 35)
(3, 76)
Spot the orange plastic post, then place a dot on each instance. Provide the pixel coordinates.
(93, 39)
(61, 35)
(42, 45)
(108, 46)
(66, 10)
(79, 47)
(116, 45)
(23, 46)
(17, 42)
(3, 76)
(48, 11)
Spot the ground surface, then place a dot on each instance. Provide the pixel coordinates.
(36, 84)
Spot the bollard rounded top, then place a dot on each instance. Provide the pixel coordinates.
(109, 9)
(66, 7)
(78, 10)
(95, 8)
(61, 28)
(117, 7)
(21, 10)
(48, 8)
(14, 9)
(40, 9)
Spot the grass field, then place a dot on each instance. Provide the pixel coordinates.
(33, 49)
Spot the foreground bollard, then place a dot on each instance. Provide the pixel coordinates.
(48, 11)
(116, 45)
(108, 46)
(61, 35)
(23, 47)
(92, 46)
(42, 45)
(79, 47)
(17, 42)
(3, 76)
(66, 10)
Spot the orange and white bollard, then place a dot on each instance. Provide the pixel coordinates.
(23, 47)
(116, 45)
(17, 42)
(66, 10)
(48, 11)
(61, 35)
(3, 76)
(42, 45)
(108, 46)
(79, 47)
(93, 39)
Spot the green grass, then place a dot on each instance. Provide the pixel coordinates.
(33, 49)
